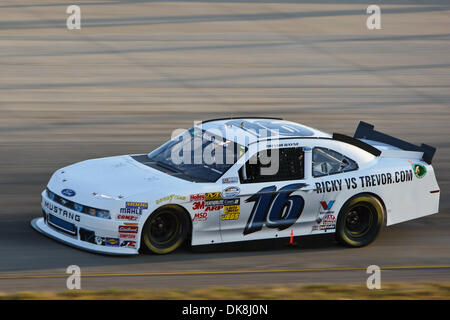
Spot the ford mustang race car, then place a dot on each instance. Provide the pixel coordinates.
(241, 179)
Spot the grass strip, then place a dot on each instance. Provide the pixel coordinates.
(414, 291)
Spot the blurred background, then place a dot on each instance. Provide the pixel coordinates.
(139, 69)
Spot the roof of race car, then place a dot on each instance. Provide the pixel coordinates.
(250, 130)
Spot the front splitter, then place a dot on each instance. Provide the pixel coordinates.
(39, 225)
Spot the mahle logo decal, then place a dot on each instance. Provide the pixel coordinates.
(419, 170)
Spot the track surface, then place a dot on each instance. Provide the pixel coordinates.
(139, 69)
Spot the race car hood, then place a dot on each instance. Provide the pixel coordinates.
(114, 178)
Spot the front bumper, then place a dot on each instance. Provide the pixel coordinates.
(82, 231)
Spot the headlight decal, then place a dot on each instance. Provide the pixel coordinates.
(104, 214)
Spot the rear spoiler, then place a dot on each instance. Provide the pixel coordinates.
(366, 131)
(357, 143)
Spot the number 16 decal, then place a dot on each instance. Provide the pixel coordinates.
(277, 209)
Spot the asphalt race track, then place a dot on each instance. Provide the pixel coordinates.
(139, 69)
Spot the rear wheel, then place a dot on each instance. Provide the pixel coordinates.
(360, 221)
(165, 230)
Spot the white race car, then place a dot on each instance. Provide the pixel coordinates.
(241, 179)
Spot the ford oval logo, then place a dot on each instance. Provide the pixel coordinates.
(68, 192)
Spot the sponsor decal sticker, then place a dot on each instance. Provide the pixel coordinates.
(137, 211)
(232, 209)
(214, 202)
(328, 222)
(112, 242)
(211, 204)
(115, 242)
(100, 240)
(419, 170)
(231, 202)
(230, 192)
(170, 198)
(231, 212)
(203, 216)
(127, 217)
(197, 197)
(133, 208)
(213, 196)
(230, 180)
(327, 206)
(128, 244)
(198, 205)
(131, 236)
(128, 229)
(214, 208)
(142, 205)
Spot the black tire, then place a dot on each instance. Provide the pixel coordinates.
(165, 230)
(359, 221)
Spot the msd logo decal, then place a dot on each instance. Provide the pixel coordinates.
(327, 206)
(200, 217)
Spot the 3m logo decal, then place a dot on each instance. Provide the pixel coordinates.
(198, 205)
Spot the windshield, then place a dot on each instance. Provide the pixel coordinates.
(198, 154)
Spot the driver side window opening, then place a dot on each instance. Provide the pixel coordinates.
(290, 166)
(327, 162)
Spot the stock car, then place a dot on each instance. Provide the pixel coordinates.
(241, 179)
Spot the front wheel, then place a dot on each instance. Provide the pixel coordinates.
(360, 221)
(165, 230)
